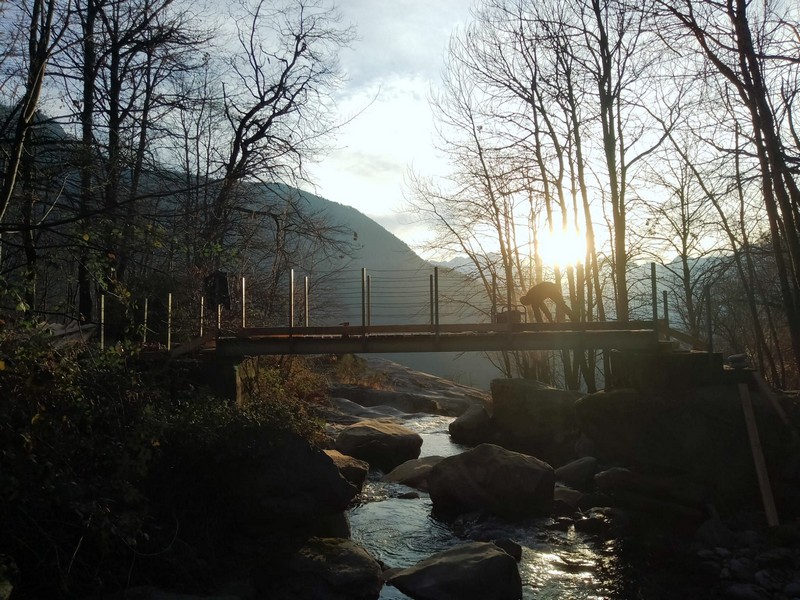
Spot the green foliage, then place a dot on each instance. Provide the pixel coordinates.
(281, 392)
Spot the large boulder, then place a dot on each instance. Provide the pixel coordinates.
(329, 568)
(698, 434)
(383, 444)
(473, 427)
(534, 419)
(478, 570)
(492, 480)
(252, 481)
(413, 473)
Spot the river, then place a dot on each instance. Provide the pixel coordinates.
(557, 561)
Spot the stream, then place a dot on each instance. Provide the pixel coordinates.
(556, 563)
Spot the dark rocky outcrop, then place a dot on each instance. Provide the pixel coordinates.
(329, 568)
(414, 473)
(531, 418)
(492, 480)
(478, 570)
(254, 482)
(695, 434)
(383, 444)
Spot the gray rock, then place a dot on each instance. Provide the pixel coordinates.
(478, 570)
(352, 469)
(383, 444)
(578, 473)
(473, 427)
(746, 591)
(329, 568)
(492, 480)
(413, 473)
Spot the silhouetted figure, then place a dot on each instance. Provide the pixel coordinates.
(546, 290)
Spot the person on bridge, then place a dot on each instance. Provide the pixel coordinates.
(546, 290)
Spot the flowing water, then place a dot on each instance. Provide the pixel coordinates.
(555, 564)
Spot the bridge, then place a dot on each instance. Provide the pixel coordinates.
(478, 337)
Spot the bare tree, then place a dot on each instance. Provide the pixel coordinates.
(754, 49)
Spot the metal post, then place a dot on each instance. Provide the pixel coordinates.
(102, 321)
(202, 313)
(369, 300)
(144, 325)
(291, 298)
(709, 325)
(244, 303)
(305, 300)
(169, 321)
(654, 294)
(666, 311)
(219, 317)
(363, 296)
(431, 303)
(493, 315)
(436, 293)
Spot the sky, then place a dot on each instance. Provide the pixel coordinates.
(391, 68)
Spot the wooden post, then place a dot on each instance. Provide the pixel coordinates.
(244, 303)
(758, 456)
(102, 321)
(219, 318)
(666, 311)
(169, 321)
(202, 313)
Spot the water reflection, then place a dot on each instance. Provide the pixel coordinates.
(555, 563)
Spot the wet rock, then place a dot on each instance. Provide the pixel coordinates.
(330, 568)
(352, 469)
(746, 591)
(792, 589)
(472, 428)
(492, 480)
(383, 444)
(602, 521)
(566, 500)
(478, 570)
(413, 473)
(663, 497)
(534, 419)
(510, 547)
(742, 568)
(713, 532)
(578, 473)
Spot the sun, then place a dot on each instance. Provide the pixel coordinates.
(562, 247)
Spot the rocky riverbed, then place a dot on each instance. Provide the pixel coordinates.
(429, 489)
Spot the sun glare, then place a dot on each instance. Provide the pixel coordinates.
(562, 248)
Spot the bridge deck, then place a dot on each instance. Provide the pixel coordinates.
(482, 337)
